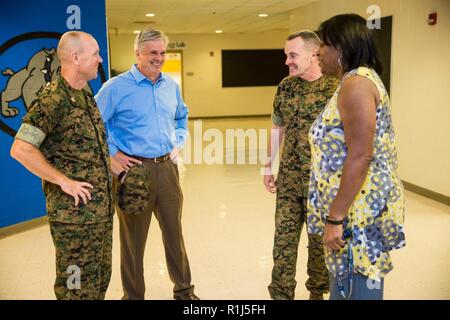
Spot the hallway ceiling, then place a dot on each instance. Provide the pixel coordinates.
(200, 16)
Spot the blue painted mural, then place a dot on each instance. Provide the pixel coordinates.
(29, 34)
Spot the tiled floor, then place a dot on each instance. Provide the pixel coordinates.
(228, 222)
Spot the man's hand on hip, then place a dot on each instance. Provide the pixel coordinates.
(174, 154)
(78, 190)
(125, 161)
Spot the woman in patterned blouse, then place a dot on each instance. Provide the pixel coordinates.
(355, 195)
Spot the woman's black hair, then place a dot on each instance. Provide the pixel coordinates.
(350, 34)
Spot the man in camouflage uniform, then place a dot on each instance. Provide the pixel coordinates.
(298, 101)
(62, 140)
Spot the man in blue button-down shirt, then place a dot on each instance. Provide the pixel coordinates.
(146, 121)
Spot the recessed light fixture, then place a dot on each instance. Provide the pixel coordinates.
(219, 31)
(263, 15)
(137, 31)
(150, 15)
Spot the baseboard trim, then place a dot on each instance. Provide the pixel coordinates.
(22, 227)
(231, 117)
(38, 222)
(427, 193)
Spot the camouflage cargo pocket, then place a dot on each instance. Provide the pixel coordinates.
(134, 193)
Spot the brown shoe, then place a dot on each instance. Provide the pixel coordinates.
(187, 296)
(315, 296)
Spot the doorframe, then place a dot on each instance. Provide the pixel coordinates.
(182, 68)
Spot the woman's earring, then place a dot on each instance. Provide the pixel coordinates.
(340, 61)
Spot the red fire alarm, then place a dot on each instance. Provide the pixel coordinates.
(432, 19)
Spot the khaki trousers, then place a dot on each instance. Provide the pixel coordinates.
(165, 201)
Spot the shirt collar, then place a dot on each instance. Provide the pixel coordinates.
(63, 82)
(139, 77)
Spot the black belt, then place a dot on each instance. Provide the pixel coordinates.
(154, 160)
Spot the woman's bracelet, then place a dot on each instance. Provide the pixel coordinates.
(334, 222)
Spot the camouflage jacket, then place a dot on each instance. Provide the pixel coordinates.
(73, 140)
(297, 104)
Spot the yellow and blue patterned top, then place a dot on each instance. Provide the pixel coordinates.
(376, 215)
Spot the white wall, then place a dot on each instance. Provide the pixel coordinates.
(420, 86)
(203, 90)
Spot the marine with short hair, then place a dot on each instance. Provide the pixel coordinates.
(299, 99)
(62, 139)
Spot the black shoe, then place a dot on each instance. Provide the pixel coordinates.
(315, 296)
(187, 296)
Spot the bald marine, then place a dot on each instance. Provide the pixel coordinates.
(79, 55)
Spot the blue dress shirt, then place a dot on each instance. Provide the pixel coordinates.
(141, 118)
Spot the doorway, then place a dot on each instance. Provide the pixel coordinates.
(174, 66)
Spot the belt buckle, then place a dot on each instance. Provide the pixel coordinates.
(160, 159)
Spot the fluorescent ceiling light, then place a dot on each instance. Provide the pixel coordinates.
(137, 31)
(263, 15)
(219, 31)
(150, 15)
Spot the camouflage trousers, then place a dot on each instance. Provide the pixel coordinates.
(83, 260)
(290, 217)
